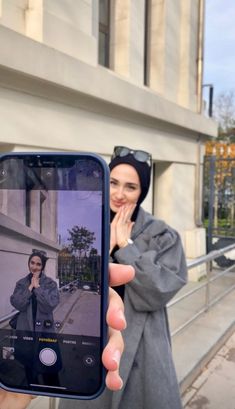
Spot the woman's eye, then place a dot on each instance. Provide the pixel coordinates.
(113, 183)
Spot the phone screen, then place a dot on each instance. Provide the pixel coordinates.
(53, 268)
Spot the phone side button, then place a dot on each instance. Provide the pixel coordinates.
(48, 356)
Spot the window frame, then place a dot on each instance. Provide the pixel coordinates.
(105, 29)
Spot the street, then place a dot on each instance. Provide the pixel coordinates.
(79, 313)
(215, 387)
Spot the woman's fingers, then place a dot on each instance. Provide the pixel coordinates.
(10, 400)
(114, 381)
(111, 359)
(120, 274)
(130, 210)
(115, 314)
(130, 227)
(116, 218)
(126, 213)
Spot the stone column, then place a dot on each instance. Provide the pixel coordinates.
(188, 51)
(127, 39)
(174, 203)
(164, 47)
(65, 25)
(156, 46)
(12, 14)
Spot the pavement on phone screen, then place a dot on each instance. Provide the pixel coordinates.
(78, 313)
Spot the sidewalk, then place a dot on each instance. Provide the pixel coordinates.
(197, 344)
(194, 348)
(215, 387)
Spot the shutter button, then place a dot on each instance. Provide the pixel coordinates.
(48, 356)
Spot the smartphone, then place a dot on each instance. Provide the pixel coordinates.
(54, 242)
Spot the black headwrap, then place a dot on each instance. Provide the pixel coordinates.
(42, 257)
(144, 173)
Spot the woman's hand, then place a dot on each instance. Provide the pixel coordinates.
(123, 225)
(10, 400)
(118, 275)
(34, 284)
(113, 237)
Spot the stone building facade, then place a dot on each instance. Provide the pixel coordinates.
(86, 75)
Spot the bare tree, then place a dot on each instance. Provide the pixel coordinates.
(224, 113)
(81, 240)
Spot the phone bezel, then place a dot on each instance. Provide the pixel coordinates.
(42, 159)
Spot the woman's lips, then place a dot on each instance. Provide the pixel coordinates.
(118, 204)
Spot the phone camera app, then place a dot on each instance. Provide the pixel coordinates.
(48, 324)
(52, 234)
(89, 360)
(48, 356)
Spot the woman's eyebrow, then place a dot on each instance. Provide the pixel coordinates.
(126, 183)
(132, 184)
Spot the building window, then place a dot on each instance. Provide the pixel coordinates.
(41, 212)
(104, 32)
(147, 27)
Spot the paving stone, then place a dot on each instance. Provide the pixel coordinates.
(230, 356)
(200, 402)
(223, 351)
(201, 379)
(216, 385)
(188, 395)
(215, 362)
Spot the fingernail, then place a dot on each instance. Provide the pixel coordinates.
(116, 357)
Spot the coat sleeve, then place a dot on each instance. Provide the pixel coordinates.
(47, 296)
(20, 298)
(160, 270)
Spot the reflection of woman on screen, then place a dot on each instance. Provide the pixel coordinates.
(35, 296)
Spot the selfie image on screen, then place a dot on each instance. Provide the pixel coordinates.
(51, 275)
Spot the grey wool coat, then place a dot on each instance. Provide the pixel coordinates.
(146, 367)
(47, 296)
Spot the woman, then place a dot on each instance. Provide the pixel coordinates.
(154, 250)
(35, 296)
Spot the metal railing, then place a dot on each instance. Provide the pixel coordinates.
(7, 317)
(207, 259)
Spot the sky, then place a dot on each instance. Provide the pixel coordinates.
(82, 208)
(219, 53)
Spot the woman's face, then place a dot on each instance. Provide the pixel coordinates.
(124, 186)
(35, 265)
